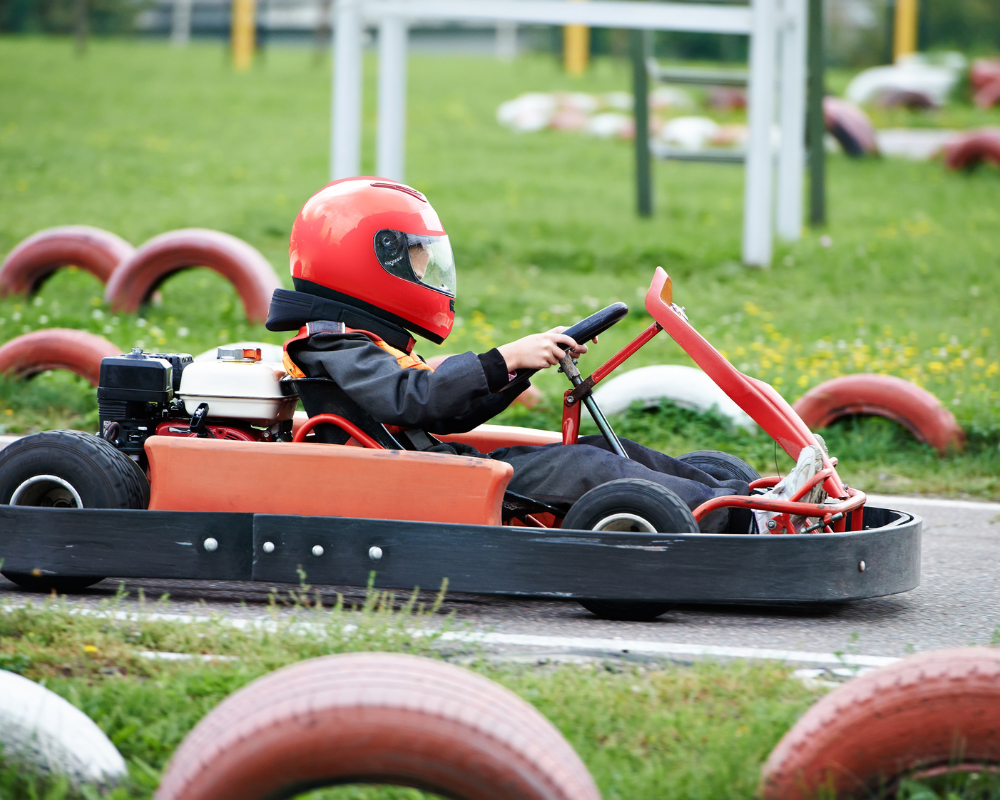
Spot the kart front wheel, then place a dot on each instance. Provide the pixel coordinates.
(623, 506)
(66, 469)
(725, 467)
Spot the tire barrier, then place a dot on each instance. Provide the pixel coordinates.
(912, 99)
(914, 408)
(375, 718)
(923, 716)
(985, 79)
(984, 71)
(138, 276)
(968, 151)
(688, 387)
(34, 260)
(56, 348)
(41, 730)
(850, 126)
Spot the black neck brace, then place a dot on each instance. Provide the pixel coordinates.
(289, 311)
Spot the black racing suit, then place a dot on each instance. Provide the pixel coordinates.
(467, 390)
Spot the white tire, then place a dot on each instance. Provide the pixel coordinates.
(688, 387)
(40, 729)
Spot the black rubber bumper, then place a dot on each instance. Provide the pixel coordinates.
(881, 560)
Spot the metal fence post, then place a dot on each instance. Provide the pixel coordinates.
(816, 125)
(638, 48)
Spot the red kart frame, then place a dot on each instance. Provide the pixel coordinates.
(758, 399)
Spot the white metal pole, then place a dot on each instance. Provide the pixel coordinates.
(345, 145)
(791, 157)
(506, 41)
(757, 238)
(180, 32)
(390, 152)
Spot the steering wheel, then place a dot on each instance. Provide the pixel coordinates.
(583, 331)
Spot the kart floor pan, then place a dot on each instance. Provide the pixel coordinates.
(881, 560)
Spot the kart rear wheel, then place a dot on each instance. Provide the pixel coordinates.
(67, 469)
(630, 505)
(725, 467)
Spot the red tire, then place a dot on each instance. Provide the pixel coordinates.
(159, 258)
(970, 150)
(984, 71)
(883, 396)
(989, 95)
(375, 718)
(34, 260)
(929, 713)
(56, 348)
(850, 126)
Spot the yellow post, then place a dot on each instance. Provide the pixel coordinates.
(243, 25)
(905, 35)
(576, 48)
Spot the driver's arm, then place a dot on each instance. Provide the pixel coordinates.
(461, 393)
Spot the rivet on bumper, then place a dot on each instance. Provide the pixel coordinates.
(211, 545)
(375, 552)
(317, 550)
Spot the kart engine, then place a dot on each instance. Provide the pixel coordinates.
(237, 397)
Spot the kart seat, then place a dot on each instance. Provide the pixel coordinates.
(324, 396)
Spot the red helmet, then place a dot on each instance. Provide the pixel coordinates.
(377, 245)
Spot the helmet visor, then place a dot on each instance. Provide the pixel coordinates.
(426, 260)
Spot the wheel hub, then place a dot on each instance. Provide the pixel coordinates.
(625, 523)
(46, 491)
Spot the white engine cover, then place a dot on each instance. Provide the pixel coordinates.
(247, 390)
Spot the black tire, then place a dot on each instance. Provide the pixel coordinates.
(640, 506)
(67, 469)
(724, 467)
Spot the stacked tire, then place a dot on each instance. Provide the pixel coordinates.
(376, 718)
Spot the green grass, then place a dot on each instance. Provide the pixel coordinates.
(140, 138)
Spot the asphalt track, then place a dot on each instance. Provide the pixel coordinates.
(957, 604)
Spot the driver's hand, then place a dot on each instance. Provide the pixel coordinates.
(562, 328)
(538, 351)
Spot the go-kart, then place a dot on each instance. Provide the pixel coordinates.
(204, 471)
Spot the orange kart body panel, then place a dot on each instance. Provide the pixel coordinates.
(323, 480)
